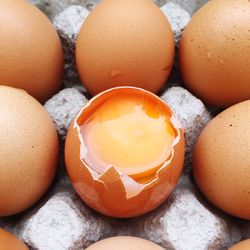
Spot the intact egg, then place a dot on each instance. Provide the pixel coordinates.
(124, 152)
(215, 53)
(31, 53)
(125, 42)
(124, 243)
(243, 245)
(9, 241)
(221, 161)
(28, 150)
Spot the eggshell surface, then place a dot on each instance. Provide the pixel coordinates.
(31, 53)
(125, 43)
(215, 52)
(113, 192)
(243, 245)
(28, 150)
(221, 161)
(10, 242)
(124, 243)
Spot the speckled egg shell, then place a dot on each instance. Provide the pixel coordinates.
(28, 150)
(124, 243)
(125, 42)
(215, 52)
(221, 161)
(243, 245)
(31, 55)
(10, 242)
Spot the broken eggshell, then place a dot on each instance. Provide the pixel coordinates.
(113, 192)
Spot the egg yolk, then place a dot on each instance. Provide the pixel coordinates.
(131, 133)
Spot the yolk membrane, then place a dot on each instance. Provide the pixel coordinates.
(131, 133)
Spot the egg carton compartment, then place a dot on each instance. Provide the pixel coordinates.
(186, 221)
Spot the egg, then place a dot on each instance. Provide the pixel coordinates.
(10, 242)
(124, 243)
(28, 150)
(221, 161)
(243, 245)
(31, 52)
(125, 42)
(215, 52)
(124, 152)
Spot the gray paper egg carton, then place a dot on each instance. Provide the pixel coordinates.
(186, 221)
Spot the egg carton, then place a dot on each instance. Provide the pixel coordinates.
(61, 221)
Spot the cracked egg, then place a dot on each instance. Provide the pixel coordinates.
(124, 152)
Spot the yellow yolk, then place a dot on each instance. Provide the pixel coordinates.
(131, 133)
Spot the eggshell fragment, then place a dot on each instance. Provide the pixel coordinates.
(10, 242)
(221, 161)
(28, 150)
(124, 243)
(125, 43)
(215, 52)
(31, 53)
(114, 193)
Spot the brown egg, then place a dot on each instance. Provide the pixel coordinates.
(10, 242)
(28, 150)
(125, 42)
(124, 152)
(221, 161)
(31, 55)
(215, 52)
(243, 245)
(124, 243)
